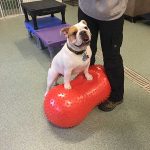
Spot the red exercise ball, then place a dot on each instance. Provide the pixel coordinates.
(68, 108)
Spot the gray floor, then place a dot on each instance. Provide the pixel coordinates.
(23, 72)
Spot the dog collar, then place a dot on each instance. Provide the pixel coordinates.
(76, 52)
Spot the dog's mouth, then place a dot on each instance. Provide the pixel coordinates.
(84, 36)
(85, 41)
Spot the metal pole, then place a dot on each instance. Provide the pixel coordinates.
(1, 9)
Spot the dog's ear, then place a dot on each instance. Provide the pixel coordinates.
(84, 22)
(65, 31)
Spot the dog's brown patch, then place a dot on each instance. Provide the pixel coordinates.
(72, 31)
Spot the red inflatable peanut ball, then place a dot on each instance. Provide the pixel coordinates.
(68, 108)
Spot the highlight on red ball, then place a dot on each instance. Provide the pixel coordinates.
(68, 108)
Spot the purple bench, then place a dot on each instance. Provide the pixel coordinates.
(44, 22)
(51, 38)
(48, 35)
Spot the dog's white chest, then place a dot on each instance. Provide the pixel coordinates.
(67, 60)
(81, 62)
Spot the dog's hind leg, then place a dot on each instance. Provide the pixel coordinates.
(51, 78)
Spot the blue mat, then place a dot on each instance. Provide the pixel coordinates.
(43, 23)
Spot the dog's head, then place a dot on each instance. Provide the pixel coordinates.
(78, 35)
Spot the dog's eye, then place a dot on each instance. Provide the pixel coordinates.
(86, 28)
(74, 33)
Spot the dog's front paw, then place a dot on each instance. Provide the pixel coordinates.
(89, 76)
(67, 86)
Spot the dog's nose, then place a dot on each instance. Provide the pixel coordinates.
(83, 33)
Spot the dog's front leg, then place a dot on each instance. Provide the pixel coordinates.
(67, 76)
(86, 73)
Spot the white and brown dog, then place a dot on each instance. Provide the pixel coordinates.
(74, 57)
